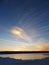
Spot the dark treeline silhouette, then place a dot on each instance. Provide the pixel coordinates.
(22, 52)
(12, 61)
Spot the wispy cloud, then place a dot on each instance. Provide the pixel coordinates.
(42, 48)
(21, 46)
(20, 33)
(42, 45)
(26, 48)
(39, 48)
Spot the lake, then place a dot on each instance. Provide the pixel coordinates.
(30, 56)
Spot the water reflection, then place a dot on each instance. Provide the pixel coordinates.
(26, 56)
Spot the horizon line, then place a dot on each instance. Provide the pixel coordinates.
(22, 52)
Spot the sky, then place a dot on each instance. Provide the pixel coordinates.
(24, 25)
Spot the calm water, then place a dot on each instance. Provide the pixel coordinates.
(25, 56)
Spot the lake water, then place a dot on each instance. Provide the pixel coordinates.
(26, 56)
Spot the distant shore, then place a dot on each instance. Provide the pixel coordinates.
(21, 52)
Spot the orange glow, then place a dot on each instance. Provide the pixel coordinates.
(20, 33)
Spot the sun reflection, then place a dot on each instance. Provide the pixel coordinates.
(29, 56)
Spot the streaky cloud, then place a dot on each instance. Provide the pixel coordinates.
(42, 48)
(20, 33)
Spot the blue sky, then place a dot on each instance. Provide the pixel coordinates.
(24, 25)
